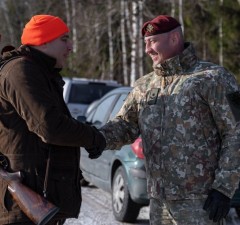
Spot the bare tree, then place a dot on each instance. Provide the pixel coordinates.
(220, 33)
(134, 42)
(140, 41)
(107, 38)
(123, 41)
(180, 16)
(67, 7)
(128, 20)
(173, 8)
(6, 15)
(74, 26)
(110, 40)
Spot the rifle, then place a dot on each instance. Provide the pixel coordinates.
(36, 207)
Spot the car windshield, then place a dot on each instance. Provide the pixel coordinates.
(87, 93)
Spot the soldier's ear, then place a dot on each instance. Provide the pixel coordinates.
(175, 37)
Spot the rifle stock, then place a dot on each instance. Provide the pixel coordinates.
(36, 207)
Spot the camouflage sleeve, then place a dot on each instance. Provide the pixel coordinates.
(222, 94)
(123, 129)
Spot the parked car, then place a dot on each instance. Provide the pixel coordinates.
(120, 172)
(78, 93)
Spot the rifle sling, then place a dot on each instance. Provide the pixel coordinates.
(46, 174)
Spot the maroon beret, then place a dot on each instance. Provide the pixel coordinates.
(159, 25)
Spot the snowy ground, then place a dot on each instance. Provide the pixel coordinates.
(97, 210)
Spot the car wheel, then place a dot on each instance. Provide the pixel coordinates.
(124, 209)
(84, 183)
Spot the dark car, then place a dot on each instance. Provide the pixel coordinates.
(120, 172)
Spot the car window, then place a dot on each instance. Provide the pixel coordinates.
(103, 110)
(118, 106)
(87, 93)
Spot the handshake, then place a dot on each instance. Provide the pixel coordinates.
(99, 145)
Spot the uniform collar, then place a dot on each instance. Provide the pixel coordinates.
(178, 64)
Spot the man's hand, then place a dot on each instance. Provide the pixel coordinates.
(217, 205)
(99, 146)
(94, 153)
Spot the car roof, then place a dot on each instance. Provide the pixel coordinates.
(86, 81)
(119, 90)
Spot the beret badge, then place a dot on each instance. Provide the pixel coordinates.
(149, 28)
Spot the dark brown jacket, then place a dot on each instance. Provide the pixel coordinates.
(34, 121)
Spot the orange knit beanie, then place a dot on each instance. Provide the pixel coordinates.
(42, 29)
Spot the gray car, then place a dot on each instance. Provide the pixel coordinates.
(120, 172)
(78, 93)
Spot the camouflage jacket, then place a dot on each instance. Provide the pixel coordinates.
(190, 133)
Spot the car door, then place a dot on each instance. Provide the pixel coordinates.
(104, 162)
(98, 117)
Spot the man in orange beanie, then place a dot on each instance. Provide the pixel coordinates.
(40, 32)
(38, 136)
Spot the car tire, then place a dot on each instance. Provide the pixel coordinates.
(84, 183)
(124, 209)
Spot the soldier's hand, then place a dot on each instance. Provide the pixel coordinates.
(217, 205)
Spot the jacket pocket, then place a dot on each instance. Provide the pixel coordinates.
(65, 194)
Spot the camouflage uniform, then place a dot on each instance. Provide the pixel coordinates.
(179, 212)
(190, 135)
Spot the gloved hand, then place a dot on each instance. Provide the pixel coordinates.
(217, 205)
(94, 153)
(98, 147)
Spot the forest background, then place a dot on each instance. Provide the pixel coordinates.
(106, 34)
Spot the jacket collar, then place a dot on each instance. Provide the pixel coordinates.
(178, 64)
(41, 58)
(37, 56)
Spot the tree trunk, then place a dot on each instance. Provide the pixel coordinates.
(66, 2)
(128, 20)
(140, 39)
(110, 40)
(7, 19)
(173, 8)
(220, 33)
(123, 41)
(180, 7)
(134, 43)
(74, 27)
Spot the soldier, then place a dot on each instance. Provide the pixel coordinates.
(37, 133)
(187, 113)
